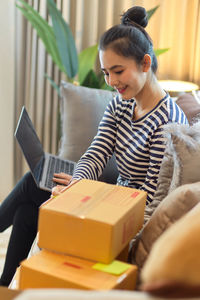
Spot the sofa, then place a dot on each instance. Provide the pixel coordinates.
(178, 190)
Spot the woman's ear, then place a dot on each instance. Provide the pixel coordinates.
(146, 65)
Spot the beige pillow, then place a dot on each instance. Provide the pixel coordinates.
(81, 110)
(173, 207)
(181, 163)
(176, 254)
(190, 106)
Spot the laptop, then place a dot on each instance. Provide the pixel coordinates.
(42, 165)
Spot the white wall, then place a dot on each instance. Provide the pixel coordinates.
(7, 20)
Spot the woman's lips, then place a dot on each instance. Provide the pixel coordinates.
(121, 91)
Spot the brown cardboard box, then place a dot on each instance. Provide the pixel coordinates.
(93, 220)
(8, 294)
(51, 270)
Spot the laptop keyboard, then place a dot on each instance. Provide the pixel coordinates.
(57, 165)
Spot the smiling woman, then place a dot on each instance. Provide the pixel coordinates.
(88, 20)
(133, 122)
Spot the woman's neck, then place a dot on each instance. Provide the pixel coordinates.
(148, 98)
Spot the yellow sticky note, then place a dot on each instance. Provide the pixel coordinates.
(116, 267)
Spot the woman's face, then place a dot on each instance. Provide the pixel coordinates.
(122, 73)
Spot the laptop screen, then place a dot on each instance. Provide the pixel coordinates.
(29, 143)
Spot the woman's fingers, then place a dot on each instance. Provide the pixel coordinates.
(63, 181)
(56, 190)
(62, 178)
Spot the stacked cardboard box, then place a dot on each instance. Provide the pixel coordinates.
(90, 222)
(8, 294)
(48, 269)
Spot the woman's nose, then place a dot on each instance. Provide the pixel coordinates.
(112, 81)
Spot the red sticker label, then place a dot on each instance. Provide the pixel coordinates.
(71, 265)
(135, 194)
(85, 199)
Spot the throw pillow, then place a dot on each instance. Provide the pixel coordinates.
(175, 255)
(174, 206)
(81, 110)
(190, 106)
(184, 145)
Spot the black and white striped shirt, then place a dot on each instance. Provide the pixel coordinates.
(138, 145)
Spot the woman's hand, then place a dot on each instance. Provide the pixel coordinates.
(57, 190)
(63, 181)
(62, 178)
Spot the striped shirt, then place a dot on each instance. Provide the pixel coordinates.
(138, 145)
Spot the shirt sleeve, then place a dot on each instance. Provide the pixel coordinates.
(94, 160)
(157, 146)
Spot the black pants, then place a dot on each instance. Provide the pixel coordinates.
(20, 209)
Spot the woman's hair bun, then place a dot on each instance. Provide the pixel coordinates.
(136, 14)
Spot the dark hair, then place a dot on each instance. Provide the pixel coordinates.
(130, 38)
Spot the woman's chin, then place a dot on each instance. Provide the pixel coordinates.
(126, 97)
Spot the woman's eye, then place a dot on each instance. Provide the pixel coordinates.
(118, 72)
(105, 73)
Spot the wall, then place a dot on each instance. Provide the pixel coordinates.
(6, 95)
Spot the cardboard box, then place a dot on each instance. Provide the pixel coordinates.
(93, 220)
(51, 270)
(123, 255)
(8, 294)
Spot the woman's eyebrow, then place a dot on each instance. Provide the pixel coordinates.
(112, 68)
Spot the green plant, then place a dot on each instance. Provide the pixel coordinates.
(60, 45)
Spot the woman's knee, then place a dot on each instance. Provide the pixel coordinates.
(27, 180)
(26, 217)
(24, 192)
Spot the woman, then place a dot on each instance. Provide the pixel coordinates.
(132, 127)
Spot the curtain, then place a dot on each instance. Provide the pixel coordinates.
(175, 25)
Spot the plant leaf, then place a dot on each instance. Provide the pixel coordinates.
(87, 59)
(160, 51)
(64, 39)
(91, 80)
(151, 12)
(44, 31)
(52, 82)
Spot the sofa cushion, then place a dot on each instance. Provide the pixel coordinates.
(184, 145)
(190, 106)
(175, 255)
(174, 206)
(81, 110)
